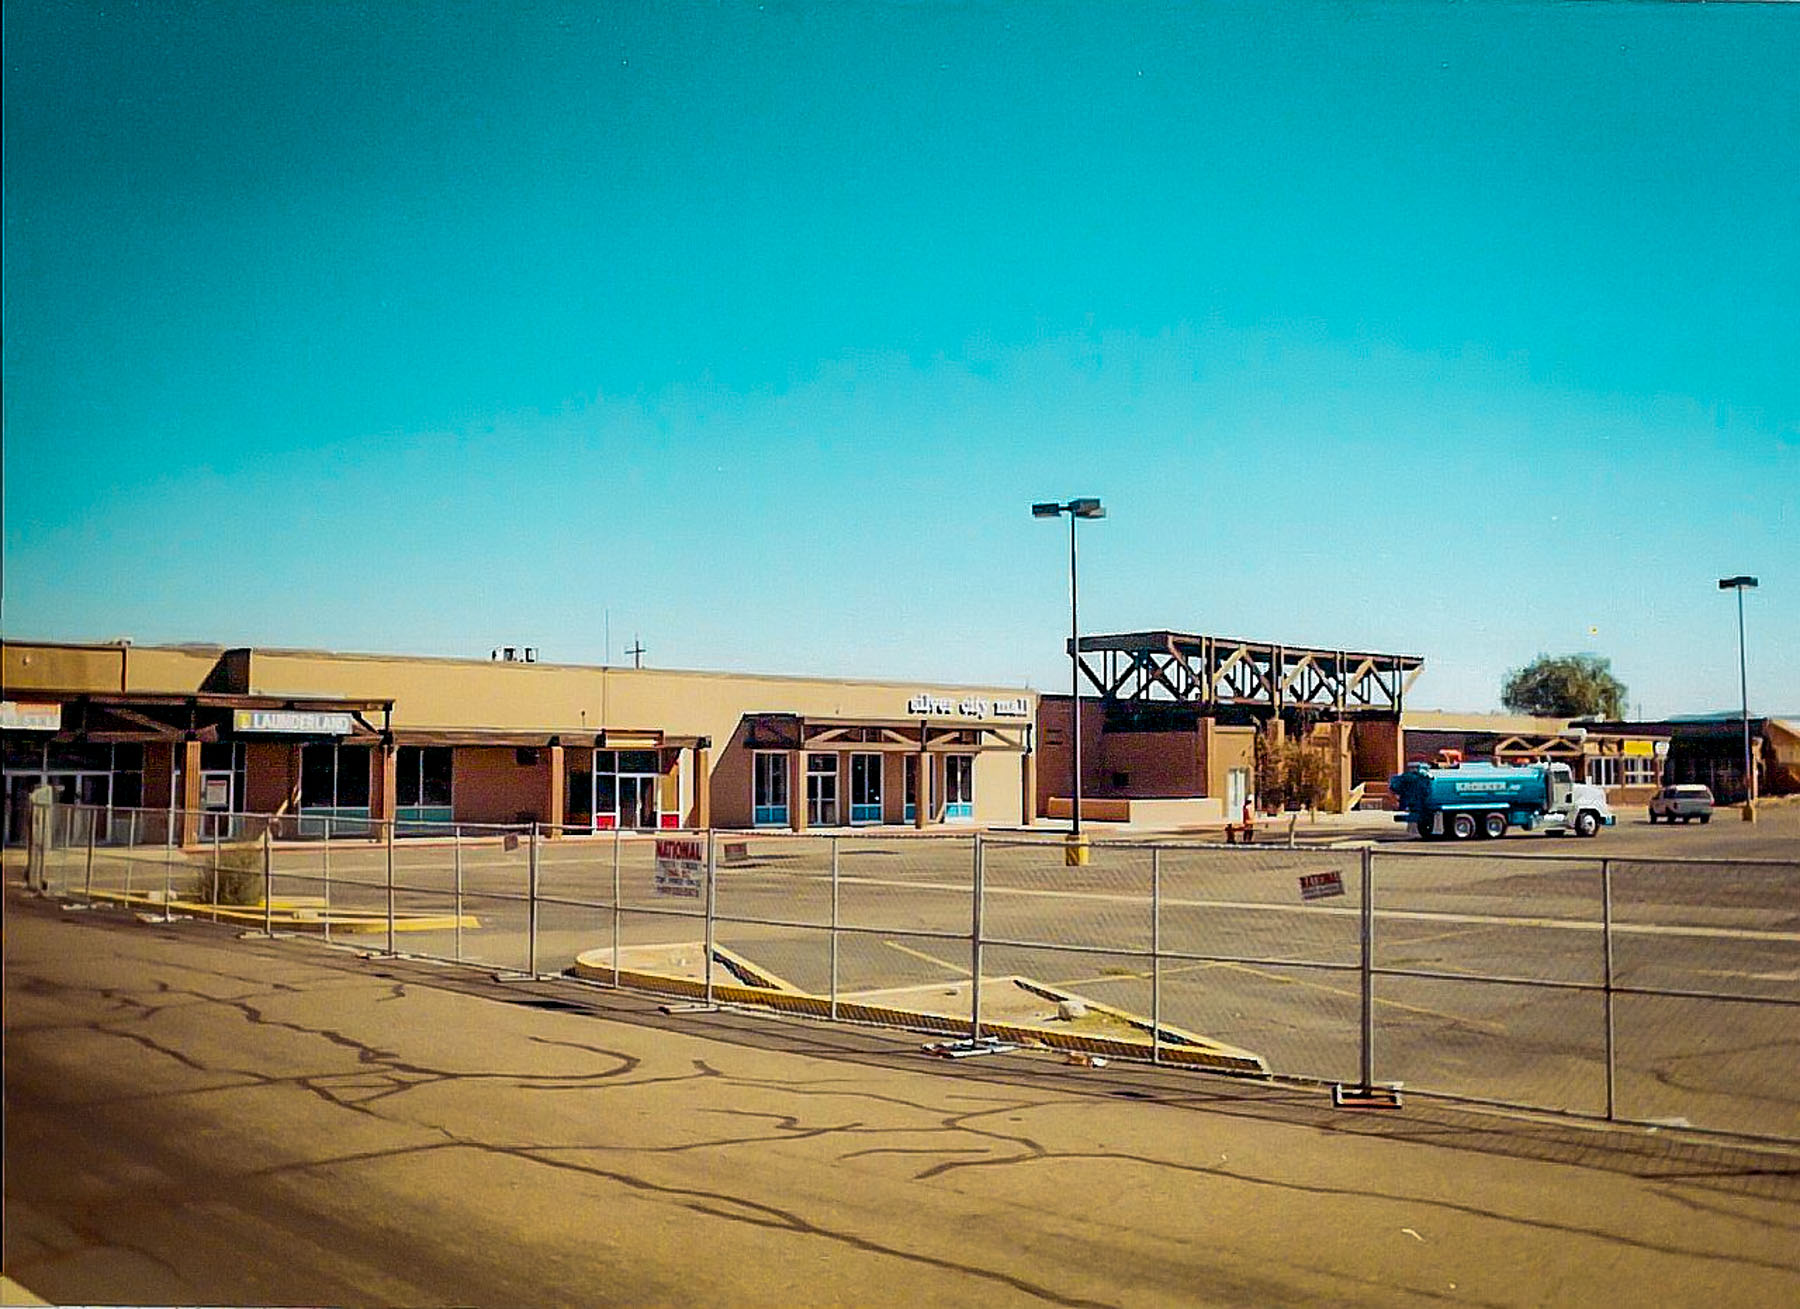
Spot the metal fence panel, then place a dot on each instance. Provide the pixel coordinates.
(1646, 990)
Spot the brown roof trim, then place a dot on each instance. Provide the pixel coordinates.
(212, 700)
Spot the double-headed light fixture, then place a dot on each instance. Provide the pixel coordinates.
(1741, 585)
(1088, 507)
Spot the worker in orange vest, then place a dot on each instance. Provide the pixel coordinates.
(1250, 820)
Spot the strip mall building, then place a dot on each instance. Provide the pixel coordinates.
(575, 749)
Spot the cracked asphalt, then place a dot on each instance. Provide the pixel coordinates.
(197, 1118)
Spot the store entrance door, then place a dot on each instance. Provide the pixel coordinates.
(638, 801)
(1237, 790)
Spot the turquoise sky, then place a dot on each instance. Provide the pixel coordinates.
(753, 330)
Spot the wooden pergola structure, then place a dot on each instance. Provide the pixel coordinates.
(1213, 671)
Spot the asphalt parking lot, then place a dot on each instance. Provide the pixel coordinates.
(1490, 956)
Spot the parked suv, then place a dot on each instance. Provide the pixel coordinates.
(1684, 802)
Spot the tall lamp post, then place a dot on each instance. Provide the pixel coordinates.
(1089, 507)
(1741, 585)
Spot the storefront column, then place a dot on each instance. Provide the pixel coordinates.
(922, 801)
(668, 789)
(702, 810)
(1027, 788)
(385, 781)
(553, 798)
(797, 790)
(190, 792)
(293, 800)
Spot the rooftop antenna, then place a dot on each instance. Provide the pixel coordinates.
(607, 613)
(636, 651)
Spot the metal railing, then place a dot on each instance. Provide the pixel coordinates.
(1629, 990)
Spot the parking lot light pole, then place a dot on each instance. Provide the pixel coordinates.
(1087, 507)
(1741, 585)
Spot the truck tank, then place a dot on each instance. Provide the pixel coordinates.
(1468, 785)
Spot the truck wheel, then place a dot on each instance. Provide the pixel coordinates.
(1493, 825)
(1587, 823)
(1653, 818)
(1462, 826)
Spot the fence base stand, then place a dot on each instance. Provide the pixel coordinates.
(698, 1008)
(1365, 1097)
(963, 1049)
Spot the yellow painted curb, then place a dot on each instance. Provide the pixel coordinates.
(1186, 1049)
(295, 917)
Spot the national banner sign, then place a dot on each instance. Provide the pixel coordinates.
(1316, 886)
(680, 866)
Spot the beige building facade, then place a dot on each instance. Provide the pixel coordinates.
(575, 749)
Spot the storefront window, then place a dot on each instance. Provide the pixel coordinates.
(422, 786)
(578, 803)
(865, 788)
(334, 786)
(109, 777)
(769, 799)
(1640, 771)
(1603, 770)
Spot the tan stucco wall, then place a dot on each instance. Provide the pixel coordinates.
(51, 667)
(57, 666)
(1232, 747)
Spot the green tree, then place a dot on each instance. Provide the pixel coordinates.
(1307, 774)
(1565, 686)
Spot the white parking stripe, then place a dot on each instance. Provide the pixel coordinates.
(1402, 915)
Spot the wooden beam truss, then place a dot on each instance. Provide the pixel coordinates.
(1208, 671)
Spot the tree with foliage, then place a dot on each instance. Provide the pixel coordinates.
(1307, 775)
(1565, 686)
(1271, 768)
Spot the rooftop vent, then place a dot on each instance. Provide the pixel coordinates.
(514, 654)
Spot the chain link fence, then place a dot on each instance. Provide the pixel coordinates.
(1643, 991)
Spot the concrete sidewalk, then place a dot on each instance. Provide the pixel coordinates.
(195, 1118)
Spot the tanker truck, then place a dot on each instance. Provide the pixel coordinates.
(1469, 800)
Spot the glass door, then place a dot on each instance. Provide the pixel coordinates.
(638, 801)
(822, 790)
(959, 786)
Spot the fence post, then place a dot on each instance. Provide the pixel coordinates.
(975, 948)
(130, 846)
(215, 871)
(326, 859)
(1156, 955)
(87, 887)
(268, 845)
(456, 864)
(389, 855)
(169, 867)
(834, 929)
(617, 908)
(712, 908)
(1606, 934)
(1368, 968)
(531, 890)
